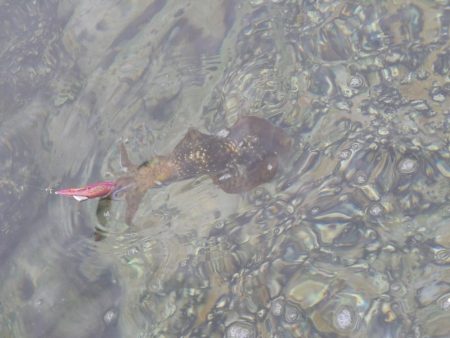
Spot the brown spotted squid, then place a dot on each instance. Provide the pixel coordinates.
(243, 157)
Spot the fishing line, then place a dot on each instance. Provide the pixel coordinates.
(21, 187)
(50, 190)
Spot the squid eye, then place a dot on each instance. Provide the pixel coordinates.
(119, 194)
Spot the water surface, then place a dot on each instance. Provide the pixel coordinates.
(349, 240)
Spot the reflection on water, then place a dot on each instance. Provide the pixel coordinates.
(350, 240)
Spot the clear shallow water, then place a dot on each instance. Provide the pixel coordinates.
(350, 240)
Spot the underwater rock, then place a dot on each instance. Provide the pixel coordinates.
(241, 330)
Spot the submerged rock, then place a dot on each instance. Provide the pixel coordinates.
(349, 240)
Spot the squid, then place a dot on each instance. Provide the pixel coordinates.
(238, 160)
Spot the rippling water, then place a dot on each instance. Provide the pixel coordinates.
(350, 240)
